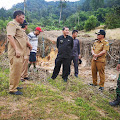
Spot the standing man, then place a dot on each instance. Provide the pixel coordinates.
(24, 75)
(75, 56)
(64, 45)
(117, 101)
(33, 37)
(99, 50)
(16, 49)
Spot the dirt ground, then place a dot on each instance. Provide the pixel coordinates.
(48, 62)
(84, 70)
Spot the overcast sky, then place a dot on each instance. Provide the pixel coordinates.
(7, 4)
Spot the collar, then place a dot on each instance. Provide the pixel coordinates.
(64, 37)
(101, 40)
(23, 30)
(16, 22)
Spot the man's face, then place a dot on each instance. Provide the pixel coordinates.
(99, 36)
(66, 31)
(37, 32)
(20, 18)
(75, 34)
(26, 27)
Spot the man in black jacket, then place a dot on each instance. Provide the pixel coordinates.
(64, 45)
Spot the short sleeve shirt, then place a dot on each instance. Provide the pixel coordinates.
(15, 30)
(99, 46)
(33, 41)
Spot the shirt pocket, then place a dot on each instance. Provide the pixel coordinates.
(19, 32)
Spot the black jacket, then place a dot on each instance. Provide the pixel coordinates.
(64, 46)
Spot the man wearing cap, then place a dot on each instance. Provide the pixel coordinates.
(33, 38)
(99, 50)
(64, 45)
(24, 75)
(16, 49)
(117, 101)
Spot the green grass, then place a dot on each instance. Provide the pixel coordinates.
(55, 100)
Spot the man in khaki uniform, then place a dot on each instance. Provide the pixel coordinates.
(99, 50)
(16, 49)
(24, 75)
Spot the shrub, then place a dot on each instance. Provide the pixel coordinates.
(112, 19)
(91, 23)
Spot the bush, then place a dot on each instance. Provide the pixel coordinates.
(112, 20)
(91, 23)
(80, 26)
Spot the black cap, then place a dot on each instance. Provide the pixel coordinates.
(24, 23)
(101, 32)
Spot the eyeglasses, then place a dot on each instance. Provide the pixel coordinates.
(98, 34)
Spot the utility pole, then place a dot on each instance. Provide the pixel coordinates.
(24, 6)
(43, 55)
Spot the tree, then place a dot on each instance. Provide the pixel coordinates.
(95, 4)
(113, 18)
(62, 5)
(91, 23)
(101, 13)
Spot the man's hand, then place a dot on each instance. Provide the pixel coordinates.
(30, 48)
(118, 67)
(95, 55)
(17, 53)
(79, 57)
(94, 58)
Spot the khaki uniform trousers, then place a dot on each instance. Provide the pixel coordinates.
(16, 65)
(25, 67)
(98, 67)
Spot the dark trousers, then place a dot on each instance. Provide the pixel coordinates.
(66, 65)
(75, 61)
(118, 86)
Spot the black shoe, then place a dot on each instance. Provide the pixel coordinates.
(26, 78)
(16, 93)
(114, 103)
(65, 79)
(101, 88)
(52, 78)
(22, 80)
(19, 88)
(92, 84)
(76, 76)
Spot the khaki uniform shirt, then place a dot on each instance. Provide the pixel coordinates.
(15, 30)
(27, 52)
(99, 46)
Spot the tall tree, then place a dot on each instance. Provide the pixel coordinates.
(61, 5)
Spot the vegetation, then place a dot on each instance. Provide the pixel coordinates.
(55, 15)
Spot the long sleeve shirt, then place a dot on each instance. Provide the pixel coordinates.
(76, 48)
(64, 46)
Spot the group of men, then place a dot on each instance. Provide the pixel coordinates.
(23, 48)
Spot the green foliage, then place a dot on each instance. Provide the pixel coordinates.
(95, 4)
(101, 13)
(75, 15)
(3, 24)
(91, 23)
(113, 18)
